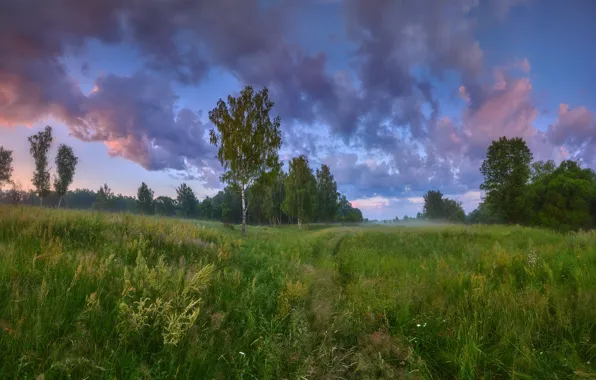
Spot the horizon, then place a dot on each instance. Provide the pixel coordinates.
(395, 100)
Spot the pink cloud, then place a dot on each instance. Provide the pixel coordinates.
(523, 65)
(371, 203)
(573, 126)
(507, 109)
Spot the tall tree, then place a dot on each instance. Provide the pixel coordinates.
(433, 205)
(5, 166)
(105, 198)
(506, 173)
(301, 191)
(278, 194)
(261, 196)
(346, 213)
(145, 199)
(452, 211)
(539, 169)
(247, 138)
(39, 147)
(66, 162)
(105, 193)
(187, 201)
(327, 195)
(165, 206)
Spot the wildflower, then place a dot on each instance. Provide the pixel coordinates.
(532, 258)
(418, 325)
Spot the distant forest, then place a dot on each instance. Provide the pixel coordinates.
(263, 208)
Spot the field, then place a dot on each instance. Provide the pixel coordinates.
(90, 295)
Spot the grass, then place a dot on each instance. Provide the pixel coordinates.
(89, 295)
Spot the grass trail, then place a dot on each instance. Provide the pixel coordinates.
(88, 295)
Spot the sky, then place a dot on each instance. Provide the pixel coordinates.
(396, 97)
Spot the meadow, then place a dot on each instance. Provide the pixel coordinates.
(116, 296)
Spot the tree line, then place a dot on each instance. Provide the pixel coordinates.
(521, 191)
(265, 202)
(540, 193)
(257, 190)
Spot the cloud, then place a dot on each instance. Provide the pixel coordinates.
(383, 106)
(575, 131)
(137, 118)
(502, 7)
(179, 40)
(506, 109)
(391, 39)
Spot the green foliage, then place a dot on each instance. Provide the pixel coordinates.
(187, 201)
(327, 195)
(261, 196)
(165, 206)
(453, 211)
(66, 163)
(438, 208)
(433, 205)
(563, 198)
(39, 147)
(539, 169)
(346, 213)
(105, 197)
(5, 166)
(301, 191)
(484, 215)
(145, 200)
(506, 172)
(248, 140)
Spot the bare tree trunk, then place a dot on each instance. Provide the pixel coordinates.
(299, 225)
(243, 213)
(59, 202)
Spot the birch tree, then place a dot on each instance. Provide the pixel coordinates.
(247, 138)
(5, 166)
(145, 199)
(39, 147)
(327, 195)
(301, 191)
(66, 163)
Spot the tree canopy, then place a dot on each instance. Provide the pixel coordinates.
(145, 199)
(506, 173)
(327, 195)
(66, 163)
(187, 201)
(438, 208)
(5, 166)
(39, 147)
(301, 191)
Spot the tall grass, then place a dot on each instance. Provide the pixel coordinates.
(114, 296)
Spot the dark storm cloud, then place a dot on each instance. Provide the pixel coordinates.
(179, 39)
(394, 37)
(136, 117)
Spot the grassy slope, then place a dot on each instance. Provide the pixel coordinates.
(109, 296)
